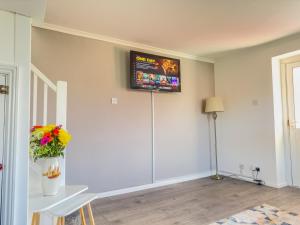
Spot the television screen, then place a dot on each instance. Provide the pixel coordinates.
(152, 72)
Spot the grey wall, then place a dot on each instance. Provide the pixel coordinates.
(111, 146)
(244, 79)
(181, 131)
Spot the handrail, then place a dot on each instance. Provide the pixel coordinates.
(37, 72)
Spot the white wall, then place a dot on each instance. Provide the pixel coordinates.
(15, 35)
(7, 37)
(247, 128)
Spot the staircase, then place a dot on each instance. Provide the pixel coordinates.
(39, 104)
(60, 91)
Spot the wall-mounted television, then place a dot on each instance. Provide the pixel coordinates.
(154, 73)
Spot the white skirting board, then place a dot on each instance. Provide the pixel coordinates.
(159, 183)
(250, 179)
(175, 180)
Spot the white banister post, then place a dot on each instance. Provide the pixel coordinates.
(61, 115)
(45, 107)
(34, 101)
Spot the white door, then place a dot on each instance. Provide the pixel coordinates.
(293, 100)
(2, 116)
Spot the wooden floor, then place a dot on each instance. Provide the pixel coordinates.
(198, 202)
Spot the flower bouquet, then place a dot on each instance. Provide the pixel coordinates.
(47, 145)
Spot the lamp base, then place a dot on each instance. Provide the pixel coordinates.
(216, 177)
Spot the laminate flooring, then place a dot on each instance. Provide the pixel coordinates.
(198, 202)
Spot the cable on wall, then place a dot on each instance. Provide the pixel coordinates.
(153, 136)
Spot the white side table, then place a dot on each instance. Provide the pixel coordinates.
(76, 203)
(39, 203)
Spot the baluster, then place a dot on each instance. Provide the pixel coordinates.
(34, 99)
(45, 113)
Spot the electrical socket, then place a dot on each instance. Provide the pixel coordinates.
(255, 168)
(241, 167)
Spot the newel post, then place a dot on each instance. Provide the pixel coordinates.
(61, 116)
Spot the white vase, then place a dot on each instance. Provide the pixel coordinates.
(51, 173)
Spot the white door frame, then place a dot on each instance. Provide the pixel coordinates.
(9, 157)
(286, 129)
(290, 137)
(286, 68)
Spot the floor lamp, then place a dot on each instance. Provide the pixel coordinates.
(214, 105)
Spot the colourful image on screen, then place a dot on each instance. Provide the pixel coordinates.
(152, 72)
(174, 81)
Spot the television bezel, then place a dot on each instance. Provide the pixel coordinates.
(133, 82)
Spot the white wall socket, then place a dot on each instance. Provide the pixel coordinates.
(241, 167)
(114, 101)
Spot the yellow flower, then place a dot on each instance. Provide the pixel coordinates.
(44, 129)
(64, 137)
(48, 128)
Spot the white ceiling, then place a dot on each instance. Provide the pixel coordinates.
(32, 8)
(198, 27)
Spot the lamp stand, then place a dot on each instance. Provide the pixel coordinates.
(216, 176)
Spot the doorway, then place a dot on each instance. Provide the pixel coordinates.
(3, 84)
(292, 79)
(8, 118)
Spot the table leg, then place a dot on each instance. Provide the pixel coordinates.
(33, 220)
(58, 221)
(91, 217)
(38, 218)
(82, 216)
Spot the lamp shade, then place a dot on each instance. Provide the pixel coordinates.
(214, 104)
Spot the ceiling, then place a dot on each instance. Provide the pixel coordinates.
(197, 27)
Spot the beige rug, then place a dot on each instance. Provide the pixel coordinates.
(262, 215)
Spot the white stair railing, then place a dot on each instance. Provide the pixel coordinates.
(60, 89)
(61, 97)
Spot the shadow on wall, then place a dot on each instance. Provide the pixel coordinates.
(210, 135)
(122, 67)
